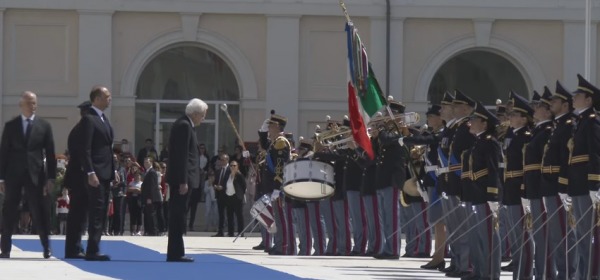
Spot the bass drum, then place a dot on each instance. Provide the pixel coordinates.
(310, 180)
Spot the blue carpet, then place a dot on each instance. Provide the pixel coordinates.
(130, 261)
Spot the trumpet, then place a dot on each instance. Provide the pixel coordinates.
(336, 138)
(406, 119)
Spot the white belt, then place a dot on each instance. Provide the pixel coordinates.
(442, 170)
(430, 168)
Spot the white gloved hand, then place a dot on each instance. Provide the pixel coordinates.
(595, 196)
(246, 154)
(275, 195)
(525, 202)
(565, 198)
(493, 206)
(265, 126)
(401, 141)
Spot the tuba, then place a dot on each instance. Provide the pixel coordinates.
(336, 137)
(392, 123)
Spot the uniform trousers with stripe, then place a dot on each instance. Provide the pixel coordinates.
(317, 227)
(374, 232)
(557, 251)
(456, 228)
(484, 238)
(330, 226)
(341, 217)
(303, 229)
(282, 243)
(389, 219)
(540, 216)
(506, 247)
(357, 221)
(583, 212)
(522, 242)
(418, 239)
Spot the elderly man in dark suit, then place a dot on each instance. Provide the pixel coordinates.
(98, 164)
(26, 142)
(182, 172)
(74, 180)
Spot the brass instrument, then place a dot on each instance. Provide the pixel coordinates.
(391, 123)
(335, 138)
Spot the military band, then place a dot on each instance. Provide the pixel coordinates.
(527, 175)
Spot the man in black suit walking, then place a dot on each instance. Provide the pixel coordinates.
(26, 140)
(74, 180)
(98, 164)
(182, 173)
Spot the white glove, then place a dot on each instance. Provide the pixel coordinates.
(565, 198)
(265, 126)
(246, 154)
(275, 195)
(595, 196)
(493, 206)
(525, 202)
(401, 141)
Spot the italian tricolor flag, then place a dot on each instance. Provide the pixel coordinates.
(363, 86)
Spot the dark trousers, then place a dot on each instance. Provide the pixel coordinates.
(234, 206)
(40, 211)
(165, 213)
(135, 213)
(153, 218)
(177, 207)
(195, 196)
(221, 205)
(78, 212)
(118, 218)
(98, 205)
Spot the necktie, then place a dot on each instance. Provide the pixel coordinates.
(27, 129)
(221, 176)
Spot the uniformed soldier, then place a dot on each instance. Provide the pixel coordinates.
(554, 183)
(513, 189)
(584, 176)
(300, 209)
(278, 154)
(532, 175)
(462, 106)
(390, 175)
(315, 217)
(369, 198)
(261, 169)
(483, 159)
(504, 136)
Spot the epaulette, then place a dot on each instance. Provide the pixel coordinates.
(281, 143)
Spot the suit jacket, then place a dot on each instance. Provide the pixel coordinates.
(183, 167)
(74, 175)
(221, 181)
(97, 140)
(555, 162)
(513, 188)
(239, 185)
(584, 154)
(26, 158)
(150, 187)
(483, 162)
(532, 159)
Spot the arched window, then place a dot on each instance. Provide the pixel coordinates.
(170, 80)
(482, 75)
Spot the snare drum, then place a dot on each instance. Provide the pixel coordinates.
(306, 179)
(261, 211)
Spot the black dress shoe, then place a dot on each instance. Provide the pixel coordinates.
(458, 274)
(386, 257)
(274, 252)
(433, 266)
(180, 259)
(259, 247)
(506, 259)
(97, 257)
(422, 255)
(509, 267)
(355, 254)
(76, 256)
(471, 276)
(47, 253)
(451, 268)
(230, 234)
(219, 234)
(4, 255)
(407, 255)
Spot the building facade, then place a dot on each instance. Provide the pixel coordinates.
(285, 55)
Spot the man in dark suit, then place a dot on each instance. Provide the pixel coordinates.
(182, 173)
(26, 139)
(152, 198)
(220, 182)
(74, 180)
(98, 164)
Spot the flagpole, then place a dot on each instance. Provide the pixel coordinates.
(343, 5)
(588, 15)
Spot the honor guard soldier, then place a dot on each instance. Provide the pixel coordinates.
(277, 155)
(532, 176)
(520, 119)
(483, 194)
(462, 106)
(390, 175)
(555, 179)
(584, 176)
(261, 169)
(304, 151)
(369, 198)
